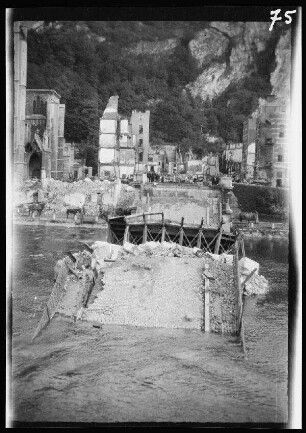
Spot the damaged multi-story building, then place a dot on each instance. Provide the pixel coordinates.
(123, 143)
(268, 127)
(248, 148)
(39, 148)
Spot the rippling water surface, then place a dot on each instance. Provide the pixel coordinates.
(78, 373)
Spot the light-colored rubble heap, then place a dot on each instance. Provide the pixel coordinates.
(59, 195)
(134, 286)
(256, 284)
(150, 292)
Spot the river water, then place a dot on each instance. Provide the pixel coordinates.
(74, 372)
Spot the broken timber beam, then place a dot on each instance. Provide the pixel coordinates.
(181, 232)
(199, 239)
(248, 277)
(206, 305)
(145, 230)
(163, 228)
(218, 242)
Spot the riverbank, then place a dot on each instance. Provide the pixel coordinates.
(269, 233)
(262, 232)
(58, 222)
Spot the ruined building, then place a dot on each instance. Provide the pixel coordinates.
(269, 130)
(248, 148)
(123, 143)
(140, 129)
(39, 119)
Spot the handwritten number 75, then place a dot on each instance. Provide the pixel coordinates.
(274, 17)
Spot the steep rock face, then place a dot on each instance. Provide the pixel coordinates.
(236, 45)
(208, 44)
(156, 48)
(280, 77)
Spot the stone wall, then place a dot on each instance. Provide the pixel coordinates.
(191, 203)
(223, 299)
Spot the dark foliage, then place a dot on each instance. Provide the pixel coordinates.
(87, 62)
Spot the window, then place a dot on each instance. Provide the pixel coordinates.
(39, 106)
(140, 142)
(281, 134)
(280, 158)
(279, 174)
(140, 129)
(268, 141)
(279, 182)
(140, 157)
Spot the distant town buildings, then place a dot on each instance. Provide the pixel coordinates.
(165, 159)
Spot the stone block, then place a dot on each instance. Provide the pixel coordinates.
(102, 250)
(247, 265)
(128, 247)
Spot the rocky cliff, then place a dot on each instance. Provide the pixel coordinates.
(228, 52)
(280, 77)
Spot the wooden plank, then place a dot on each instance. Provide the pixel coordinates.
(242, 247)
(217, 246)
(126, 234)
(140, 215)
(199, 239)
(207, 216)
(248, 277)
(206, 306)
(163, 233)
(181, 232)
(239, 290)
(200, 234)
(145, 230)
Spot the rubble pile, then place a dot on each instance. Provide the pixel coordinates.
(59, 195)
(131, 285)
(150, 292)
(256, 284)
(162, 249)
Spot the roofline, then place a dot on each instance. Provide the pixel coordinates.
(46, 91)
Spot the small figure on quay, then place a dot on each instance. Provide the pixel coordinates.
(75, 211)
(78, 218)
